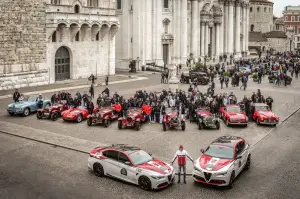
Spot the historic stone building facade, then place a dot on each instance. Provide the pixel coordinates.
(53, 40)
(168, 31)
(261, 16)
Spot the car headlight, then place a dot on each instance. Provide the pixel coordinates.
(222, 173)
(19, 109)
(157, 177)
(197, 168)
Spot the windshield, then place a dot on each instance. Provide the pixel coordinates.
(262, 108)
(30, 99)
(234, 109)
(219, 151)
(140, 157)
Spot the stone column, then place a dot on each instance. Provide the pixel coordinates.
(247, 27)
(136, 30)
(184, 37)
(217, 52)
(221, 33)
(176, 31)
(159, 31)
(230, 27)
(202, 37)
(206, 40)
(126, 36)
(195, 28)
(225, 35)
(148, 30)
(244, 28)
(238, 29)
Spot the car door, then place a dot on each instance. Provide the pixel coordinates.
(127, 171)
(241, 152)
(112, 166)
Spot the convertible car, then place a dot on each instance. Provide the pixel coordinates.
(26, 106)
(206, 120)
(222, 161)
(262, 114)
(131, 164)
(233, 115)
(75, 114)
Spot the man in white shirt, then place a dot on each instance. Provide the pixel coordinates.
(181, 157)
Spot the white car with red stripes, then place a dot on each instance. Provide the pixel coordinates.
(131, 164)
(222, 161)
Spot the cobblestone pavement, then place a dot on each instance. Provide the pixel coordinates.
(151, 137)
(30, 169)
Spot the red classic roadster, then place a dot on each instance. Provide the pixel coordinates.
(103, 115)
(134, 118)
(75, 114)
(262, 114)
(233, 115)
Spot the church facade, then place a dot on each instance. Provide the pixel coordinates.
(170, 31)
(54, 40)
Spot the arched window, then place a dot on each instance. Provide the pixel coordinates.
(257, 9)
(77, 9)
(119, 4)
(97, 36)
(252, 28)
(54, 37)
(250, 9)
(77, 37)
(166, 23)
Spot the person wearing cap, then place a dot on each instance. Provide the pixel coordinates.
(181, 156)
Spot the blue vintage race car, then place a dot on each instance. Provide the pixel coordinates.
(26, 106)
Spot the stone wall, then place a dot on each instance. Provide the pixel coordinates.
(261, 16)
(22, 41)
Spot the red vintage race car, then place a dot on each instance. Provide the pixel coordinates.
(262, 114)
(172, 120)
(134, 118)
(102, 116)
(233, 115)
(75, 114)
(53, 112)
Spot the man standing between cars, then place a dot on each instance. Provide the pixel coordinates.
(269, 101)
(181, 155)
(16, 96)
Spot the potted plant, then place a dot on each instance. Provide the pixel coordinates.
(255, 77)
(227, 74)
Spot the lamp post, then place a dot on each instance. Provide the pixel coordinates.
(205, 59)
(138, 61)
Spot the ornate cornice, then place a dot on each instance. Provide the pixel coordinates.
(231, 2)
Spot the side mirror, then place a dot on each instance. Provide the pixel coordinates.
(128, 163)
(202, 150)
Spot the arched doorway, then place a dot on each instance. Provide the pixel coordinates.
(62, 64)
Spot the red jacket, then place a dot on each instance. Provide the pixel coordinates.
(181, 157)
(146, 109)
(117, 107)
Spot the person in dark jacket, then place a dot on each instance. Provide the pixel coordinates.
(85, 98)
(92, 79)
(90, 106)
(16, 96)
(92, 91)
(106, 80)
(269, 101)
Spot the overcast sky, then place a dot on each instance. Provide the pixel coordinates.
(280, 4)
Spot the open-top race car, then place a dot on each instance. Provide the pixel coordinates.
(102, 116)
(172, 120)
(75, 114)
(200, 77)
(27, 105)
(134, 119)
(223, 160)
(52, 112)
(233, 115)
(262, 114)
(131, 164)
(206, 120)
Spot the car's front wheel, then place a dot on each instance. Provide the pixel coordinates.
(39, 115)
(120, 124)
(164, 126)
(106, 123)
(98, 170)
(248, 163)
(257, 121)
(183, 126)
(79, 118)
(218, 125)
(89, 121)
(54, 116)
(145, 183)
(137, 126)
(26, 112)
(231, 182)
